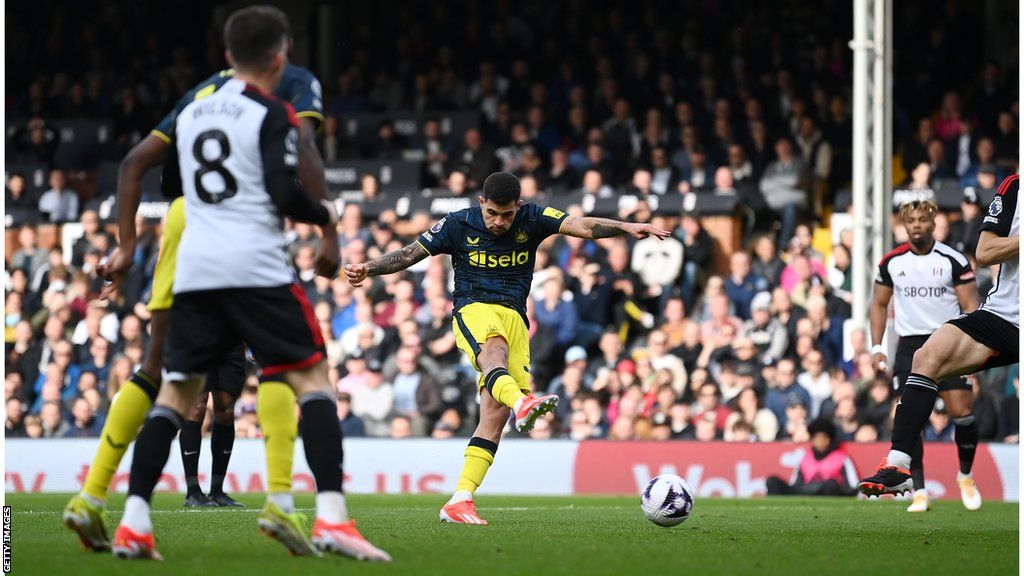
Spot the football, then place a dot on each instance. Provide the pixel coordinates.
(667, 500)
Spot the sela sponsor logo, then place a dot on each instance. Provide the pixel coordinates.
(482, 259)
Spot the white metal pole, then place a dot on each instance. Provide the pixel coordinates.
(879, 130)
(860, 159)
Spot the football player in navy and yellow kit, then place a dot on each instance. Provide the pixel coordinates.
(493, 248)
(85, 512)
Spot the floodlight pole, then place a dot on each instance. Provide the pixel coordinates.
(862, 121)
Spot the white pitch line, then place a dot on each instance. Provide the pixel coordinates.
(406, 509)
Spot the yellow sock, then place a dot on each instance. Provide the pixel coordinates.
(479, 457)
(127, 413)
(503, 387)
(275, 406)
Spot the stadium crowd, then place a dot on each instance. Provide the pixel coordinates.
(639, 339)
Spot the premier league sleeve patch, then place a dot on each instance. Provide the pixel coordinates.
(437, 227)
(996, 207)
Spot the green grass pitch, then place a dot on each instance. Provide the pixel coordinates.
(563, 535)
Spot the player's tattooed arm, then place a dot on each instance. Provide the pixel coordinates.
(594, 228)
(387, 264)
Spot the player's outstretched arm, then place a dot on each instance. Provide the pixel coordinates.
(879, 315)
(994, 249)
(593, 228)
(387, 264)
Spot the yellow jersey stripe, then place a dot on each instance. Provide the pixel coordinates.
(161, 135)
(424, 247)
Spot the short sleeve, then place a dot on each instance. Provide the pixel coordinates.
(999, 218)
(962, 272)
(549, 220)
(306, 95)
(438, 239)
(882, 275)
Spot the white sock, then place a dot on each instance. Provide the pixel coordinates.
(920, 492)
(331, 508)
(961, 476)
(898, 459)
(284, 500)
(460, 496)
(136, 515)
(92, 500)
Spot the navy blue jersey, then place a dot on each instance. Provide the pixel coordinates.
(298, 86)
(488, 268)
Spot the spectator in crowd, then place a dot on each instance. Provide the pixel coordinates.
(400, 427)
(939, 427)
(784, 187)
(556, 313)
(417, 394)
(18, 199)
(351, 425)
(767, 334)
(29, 257)
(748, 408)
(14, 425)
(84, 423)
(826, 469)
(59, 203)
(52, 419)
(742, 284)
(374, 404)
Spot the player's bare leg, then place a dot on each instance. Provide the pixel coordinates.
(134, 537)
(960, 406)
(492, 361)
(949, 352)
(333, 531)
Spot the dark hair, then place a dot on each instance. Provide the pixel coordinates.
(501, 188)
(254, 34)
(822, 425)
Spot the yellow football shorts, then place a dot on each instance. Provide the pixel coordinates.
(163, 276)
(475, 323)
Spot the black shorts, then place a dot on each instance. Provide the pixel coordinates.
(999, 335)
(229, 375)
(276, 323)
(905, 349)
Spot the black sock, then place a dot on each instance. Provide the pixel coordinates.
(917, 464)
(221, 444)
(913, 411)
(321, 437)
(191, 441)
(966, 441)
(152, 449)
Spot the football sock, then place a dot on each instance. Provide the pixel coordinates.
(321, 437)
(136, 515)
(917, 464)
(966, 441)
(911, 415)
(502, 387)
(275, 406)
(152, 449)
(222, 442)
(190, 442)
(479, 457)
(126, 415)
(284, 500)
(331, 508)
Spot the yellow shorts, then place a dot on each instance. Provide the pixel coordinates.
(163, 276)
(475, 323)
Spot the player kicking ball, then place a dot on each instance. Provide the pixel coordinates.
(493, 248)
(986, 338)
